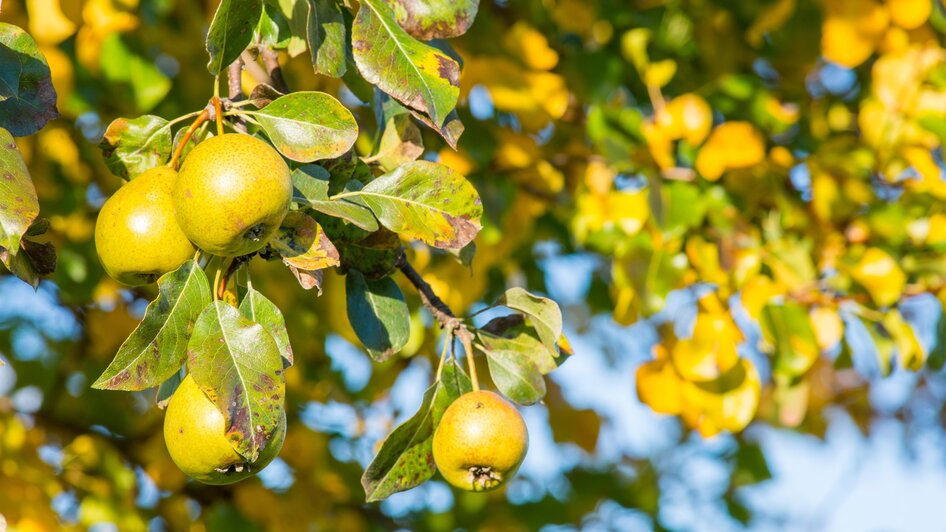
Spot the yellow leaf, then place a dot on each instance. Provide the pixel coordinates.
(910, 353)
(576, 16)
(686, 117)
(731, 145)
(531, 46)
(936, 234)
(909, 14)
(851, 30)
(660, 73)
(659, 143)
(728, 403)
(659, 387)
(827, 325)
(48, 24)
(880, 275)
(711, 349)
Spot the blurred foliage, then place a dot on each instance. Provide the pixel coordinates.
(779, 160)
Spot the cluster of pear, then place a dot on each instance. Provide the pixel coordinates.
(230, 196)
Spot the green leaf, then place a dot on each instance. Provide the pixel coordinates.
(325, 32)
(399, 140)
(378, 314)
(307, 126)
(255, 307)
(311, 188)
(373, 254)
(521, 340)
(158, 346)
(435, 19)
(126, 61)
(405, 459)
(231, 31)
(237, 364)
(425, 201)
(419, 76)
(168, 387)
(513, 368)
(132, 146)
(543, 314)
(302, 243)
(18, 203)
(788, 328)
(31, 262)
(27, 96)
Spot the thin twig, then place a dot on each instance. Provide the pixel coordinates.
(253, 68)
(201, 118)
(441, 312)
(235, 91)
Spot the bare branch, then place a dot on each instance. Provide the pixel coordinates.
(271, 62)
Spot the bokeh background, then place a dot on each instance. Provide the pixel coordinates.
(634, 156)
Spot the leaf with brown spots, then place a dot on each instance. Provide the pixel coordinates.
(308, 126)
(158, 346)
(27, 95)
(236, 362)
(18, 203)
(435, 19)
(517, 365)
(310, 187)
(425, 201)
(406, 457)
(132, 146)
(325, 34)
(419, 76)
(256, 307)
(302, 243)
(398, 140)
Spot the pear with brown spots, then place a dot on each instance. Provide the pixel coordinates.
(136, 233)
(480, 442)
(232, 193)
(194, 432)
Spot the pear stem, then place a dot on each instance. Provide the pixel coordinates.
(218, 112)
(447, 342)
(201, 118)
(216, 283)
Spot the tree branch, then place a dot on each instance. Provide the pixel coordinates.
(440, 311)
(271, 62)
(235, 80)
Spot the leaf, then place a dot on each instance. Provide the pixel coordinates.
(18, 203)
(168, 387)
(307, 126)
(425, 201)
(255, 307)
(521, 340)
(399, 140)
(378, 314)
(311, 188)
(373, 254)
(451, 129)
(129, 63)
(27, 95)
(326, 33)
(231, 31)
(158, 346)
(513, 371)
(788, 328)
(435, 19)
(132, 146)
(543, 313)
(308, 279)
(417, 75)
(199, 136)
(31, 262)
(405, 459)
(237, 364)
(302, 243)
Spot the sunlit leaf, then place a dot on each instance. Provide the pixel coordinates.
(236, 362)
(132, 146)
(18, 203)
(788, 328)
(326, 38)
(308, 126)
(302, 243)
(158, 346)
(311, 188)
(405, 459)
(418, 75)
(435, 19)
(425, 201)
(256, 308)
